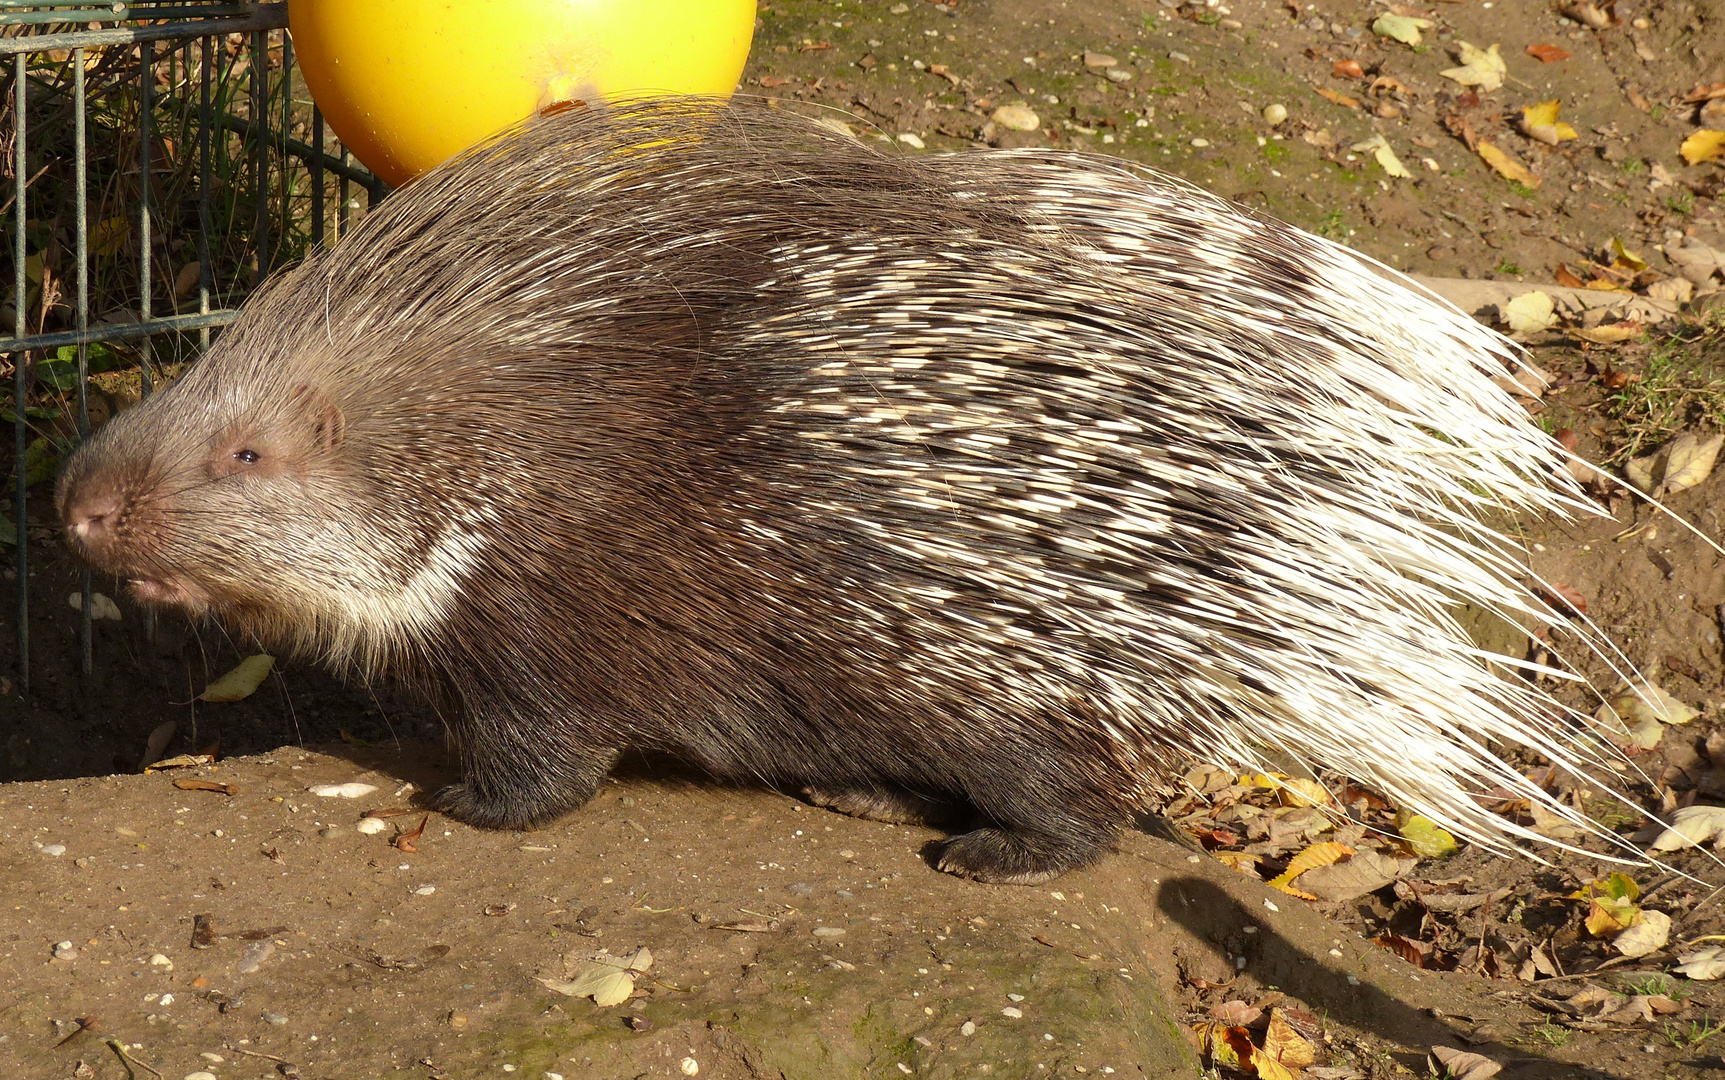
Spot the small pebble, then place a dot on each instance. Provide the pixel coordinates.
(916, 144)
(553, 1076)
(213, 1059)
(1018, 118)
(342, 791)
(903, 1068)
(65, 951)
(829, 931)
(425, 890)
(847, 853)
(801, 888)
(967, 1028)
(201, 1074)
(1012, 1013)
(1200, 143)
(371, 826)
(275, 1018)
(1275, 114)
(53, 849)
(167, 999)
(1118, 75)
(1180, 56)
(1015, 997)
(1231, 24)
(253, 956)
(160, 961)
(689, 1066)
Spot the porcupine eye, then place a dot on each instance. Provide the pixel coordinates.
(246, 457)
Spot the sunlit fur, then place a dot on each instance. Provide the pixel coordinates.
(1008, 479)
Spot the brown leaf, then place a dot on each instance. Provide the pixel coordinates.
(1413, 952)
(1547, 54)
(1339, 99)
(816, 46)
(187, 784)
(405, 841)
(1237, 1013)
(1285, 1045)
(868, 62)
(771, 81)
(1567, 599)
(1347, 69)
(1705, 92)
(1567, 279)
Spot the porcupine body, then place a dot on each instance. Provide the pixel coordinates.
(985, 487)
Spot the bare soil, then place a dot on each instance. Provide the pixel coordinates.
(328, 953)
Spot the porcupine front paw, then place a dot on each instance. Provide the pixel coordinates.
(895, 806)
(519, 793)
(999, 856)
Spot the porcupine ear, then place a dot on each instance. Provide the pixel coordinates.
(325, 422)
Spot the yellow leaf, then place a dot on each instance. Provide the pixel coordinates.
(1483, 68)
(1610, 333)
(1286, 1046)
(239, 683)
(1379, 148)
(1540, 122)
(1404, 28)
(1505, 165)
(1624, 259)
(1426, 838)
(1704, 145)
(1530, 312)
(109, 236)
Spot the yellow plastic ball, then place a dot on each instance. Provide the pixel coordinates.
(407, 83)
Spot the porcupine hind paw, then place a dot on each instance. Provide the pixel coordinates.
(893, 805)
(1013, 857)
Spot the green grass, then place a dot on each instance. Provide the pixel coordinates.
(1693, 1034)
(1332, 226)
(1507, 267)
(1681, 385)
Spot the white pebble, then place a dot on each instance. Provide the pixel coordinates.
(213, 1059)
(689, 1066)
(1180, 56)
(425, 890)
(201, 1074)
(553, 1076)
(916, 144)
(53, 849)
(967, 1028)
(342, 791)
(371, 826)
(1015, 997)
(1011, 1013)
(1200, 143)
(167, 999)
(829, 931)
(1276, 113)
(1017, 118)
(64, 950)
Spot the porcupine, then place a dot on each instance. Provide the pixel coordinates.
(987, 487)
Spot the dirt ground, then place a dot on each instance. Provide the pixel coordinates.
(788, 941)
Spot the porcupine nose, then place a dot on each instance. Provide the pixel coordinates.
(90, 518)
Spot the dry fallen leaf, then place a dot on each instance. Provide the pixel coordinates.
(1339, 99)
(1692, 826)
(1463, 1065)
(1547, 54)
(1380, 150)
(239, 683)
(1425, 837)
(1691, 461)
(190, 784)
(1704, 145)
(1708, 963)
(1285, 1045)
(1590, 15)
(1540, 122)
(1505, 165)
(1649, 934)
(1483, 68)
(1403, 28)
(1610, 333)
(1530, 312)
(608, 980)
(1347, 69)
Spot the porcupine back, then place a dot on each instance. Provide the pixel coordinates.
(704, 429)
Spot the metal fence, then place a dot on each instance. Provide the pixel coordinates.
(163, 159)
